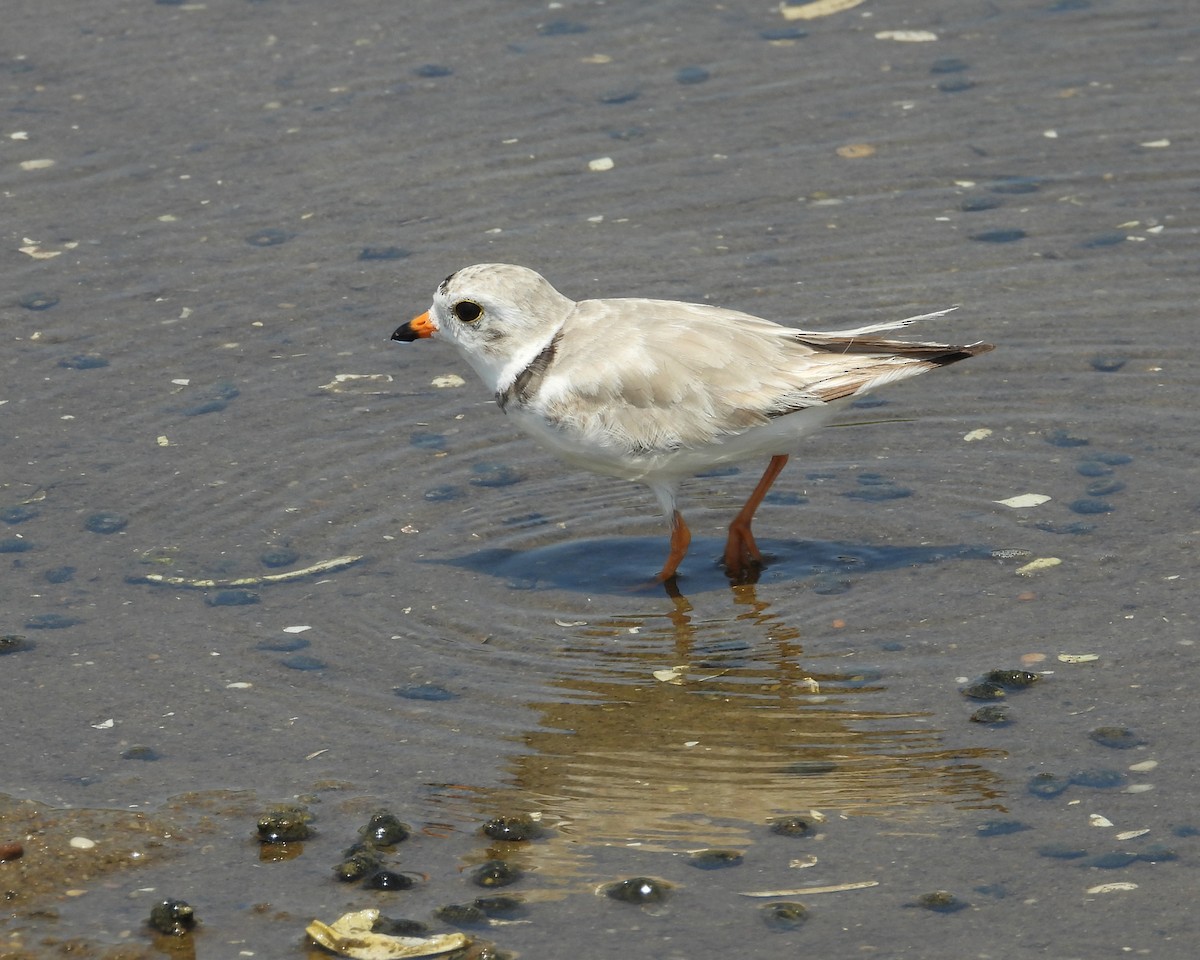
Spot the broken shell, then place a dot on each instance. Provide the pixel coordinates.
(352, 935)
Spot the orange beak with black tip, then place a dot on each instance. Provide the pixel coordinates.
(418, 328)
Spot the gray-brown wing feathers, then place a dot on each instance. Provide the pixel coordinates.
(688, 374)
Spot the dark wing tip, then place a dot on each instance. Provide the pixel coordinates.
(954, 354)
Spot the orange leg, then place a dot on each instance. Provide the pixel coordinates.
(742, 557)
(681, 539)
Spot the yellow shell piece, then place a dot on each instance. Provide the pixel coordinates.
(350, 935)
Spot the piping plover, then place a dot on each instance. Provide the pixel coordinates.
(657, 390)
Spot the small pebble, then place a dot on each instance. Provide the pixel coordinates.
(140, 752)
(1104, 488)
(1111, 239)
(955, 85)
(689, 75)
(1116, 738)
(1097, 779)
(1048, 785)
(285, 825)
(11, 850)
(432, 71)
(428, 441)
(15, 545)
(500, 907)
(18, 514)
(1108, 364)
(279, 557)
(431, 692)
(983, 690)
(513, 829)
(791, 827)
(399, 927)
(383, 253)
(82, 843)
(83, 361)
(268, 238)
(1001, 828)
(232, 598)
(784, 915)
(638, 890)
(976, 204)
(59, 574)
(1061, 438)
(385, 829)
(1088, 506)
(13, 643)
(994, 716)
(360, 862)
(289, 645)
(174, 918)
(443, 493)
(614, 97)
(998, 236)
(716, 859)
(496, 873)
(303, 662)
(38, 301)
(105, 522)
(1093, 468)
(1157, 853)
(389, 880)
(495, 475)
(940, 901)
(1012, 679)
(1074, 529)
(461, 914)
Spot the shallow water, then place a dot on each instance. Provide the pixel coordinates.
(218, 173)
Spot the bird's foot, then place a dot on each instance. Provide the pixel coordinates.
(743, 559)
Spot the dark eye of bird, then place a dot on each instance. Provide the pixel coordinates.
(468, 311)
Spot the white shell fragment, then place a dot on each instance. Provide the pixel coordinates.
(1024, 500)
(350, 935)
(907, 36)
(1112, 888)
(803, 891)
(600, 164)
(357, 383)
(447, 380)
(1078, 657)
(202, 583)
(1036, 566)
(1098, 820)
(981, 434)
(818, 8)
